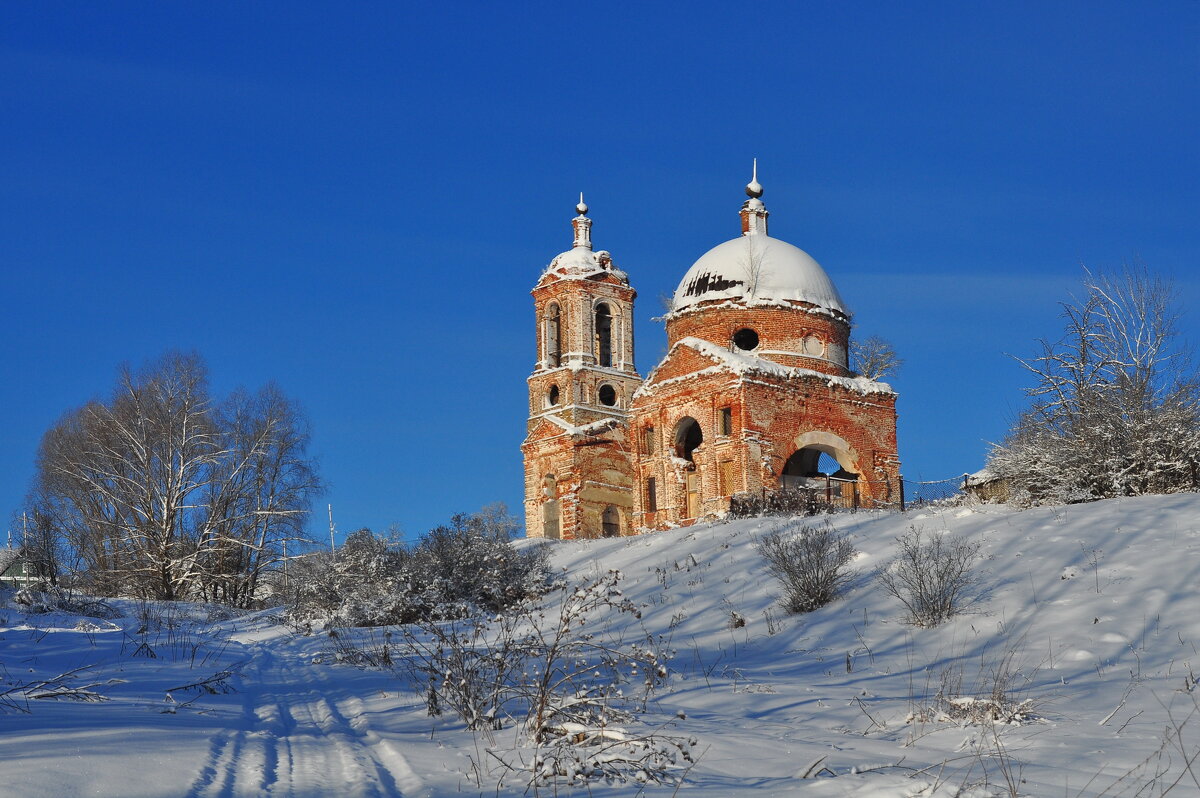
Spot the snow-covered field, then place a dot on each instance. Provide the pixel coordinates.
(1091, 609)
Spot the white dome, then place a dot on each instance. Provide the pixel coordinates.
(757, 267)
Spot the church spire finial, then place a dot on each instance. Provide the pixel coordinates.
(754, 213)
(754, 188)
(582, 225)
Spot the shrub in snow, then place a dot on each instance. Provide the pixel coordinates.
(454, 571)
(810, 561)
(930, 575)
(571, 691)
(996, 699)
(786, 501)
(56, 599)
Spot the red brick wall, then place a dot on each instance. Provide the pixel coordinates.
(780, 329)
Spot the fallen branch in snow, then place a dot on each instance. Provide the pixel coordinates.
(57, 687)
(217, 684)
(816, 769)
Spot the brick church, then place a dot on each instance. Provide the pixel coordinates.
(754, 394)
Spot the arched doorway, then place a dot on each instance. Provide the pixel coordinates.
(688, 437)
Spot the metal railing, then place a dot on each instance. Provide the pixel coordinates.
(812, 495)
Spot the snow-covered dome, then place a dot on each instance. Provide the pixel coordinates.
(756, 267)
(580, 261)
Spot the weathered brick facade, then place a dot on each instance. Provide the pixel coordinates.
(754, 388)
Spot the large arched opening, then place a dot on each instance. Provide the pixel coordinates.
(821, 459)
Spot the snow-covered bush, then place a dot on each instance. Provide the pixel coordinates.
(57, 599)
(930, 575)
(1116, 401)
(467, 566)
(810, 561)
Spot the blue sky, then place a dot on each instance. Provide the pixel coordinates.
(355, 199)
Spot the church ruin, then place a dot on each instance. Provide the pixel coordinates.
(754, 394)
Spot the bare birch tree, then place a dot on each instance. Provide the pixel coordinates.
(874, 358)
(162, 495)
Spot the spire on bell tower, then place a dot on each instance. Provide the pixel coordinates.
(582, 225)
(754, 213)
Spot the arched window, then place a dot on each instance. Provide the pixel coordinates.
(552, 396)
(610, 522)
(688, 436)
(553, 335)
(603, 335)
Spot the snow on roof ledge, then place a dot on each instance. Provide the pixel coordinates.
(594, 428)
(741, 364)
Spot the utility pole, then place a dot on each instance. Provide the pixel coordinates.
(332, 544)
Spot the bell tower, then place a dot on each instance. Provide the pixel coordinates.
(580, 390)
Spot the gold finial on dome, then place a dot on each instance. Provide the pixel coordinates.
(582, 206)
(754, 188)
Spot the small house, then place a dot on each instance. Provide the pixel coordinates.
(15, 568)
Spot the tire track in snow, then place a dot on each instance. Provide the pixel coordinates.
(295, 739)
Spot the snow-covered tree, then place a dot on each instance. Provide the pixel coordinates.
(1116, 400)
(453, 571)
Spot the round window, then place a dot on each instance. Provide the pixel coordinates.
(745, 339)
(608, 395)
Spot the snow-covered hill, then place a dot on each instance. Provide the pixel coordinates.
(1090, 612)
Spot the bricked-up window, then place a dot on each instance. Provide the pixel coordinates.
(725, 421)
(725, 478)
(603, 335)
(610, 522)
(551, 527)
(651, 495)
(607, 395)
(553, 336)
(648, 440)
